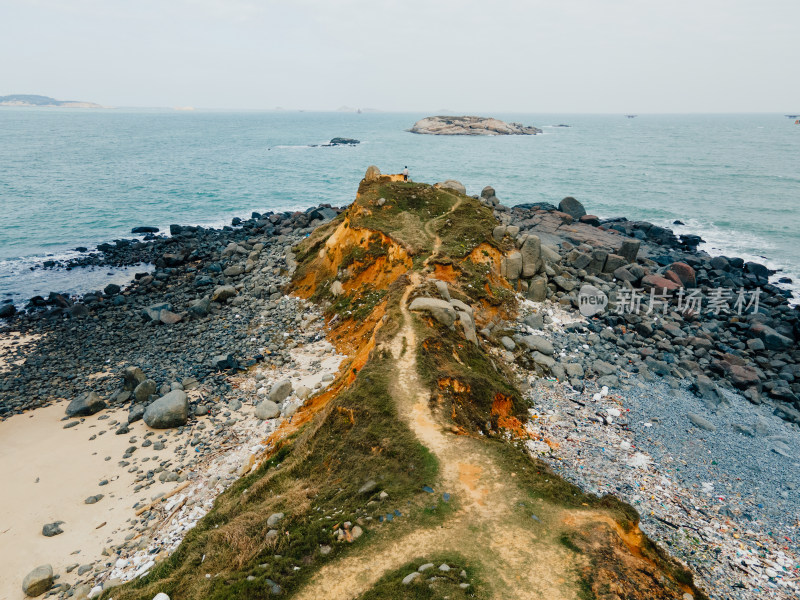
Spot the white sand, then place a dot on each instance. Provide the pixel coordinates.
(47, 472)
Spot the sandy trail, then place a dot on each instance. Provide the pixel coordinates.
(486, 528)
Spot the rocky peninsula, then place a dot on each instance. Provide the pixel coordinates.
(470, 126)
(44, 101)
(357, 402)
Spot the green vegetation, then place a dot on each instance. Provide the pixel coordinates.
(465, 228)
(408, 208)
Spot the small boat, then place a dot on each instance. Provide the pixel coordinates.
(791, 116)
(631, 116)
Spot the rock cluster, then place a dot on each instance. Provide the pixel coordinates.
(466, 125)
(647, 275)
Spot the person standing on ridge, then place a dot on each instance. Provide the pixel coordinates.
(405, 173)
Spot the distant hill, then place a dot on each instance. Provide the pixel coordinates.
(35, 100)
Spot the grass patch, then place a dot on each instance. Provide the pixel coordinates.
(468, 226)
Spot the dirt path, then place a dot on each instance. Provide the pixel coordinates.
(428, 228)
(522, 555)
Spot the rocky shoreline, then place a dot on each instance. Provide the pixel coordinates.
(214, 307)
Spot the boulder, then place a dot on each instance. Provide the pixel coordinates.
(623, 274)
(705, 388)
(131, 377)
(224, 362)
(538, 343)
(38, 581)
(144, 229)
(659, 283)
(112, 289)
(537, 289)
(171, 410)
(200, 307)
(452, 184)
(280, 391)
(78, 311)
(440, 310)
(373, 173)
(169, 318)
(598, 262)
(222, 293)
(614, 262)
(512, 265)
(7, 311)
(743, 377)
(499, 232)
(85, 405)
(233, 271)
(592, 220)
(629, 250)
(771, 338)
(267, 409)
(572, 207)
(531, 252)
(136, 413)
(685, 274)
(469, 327)
(144, 390)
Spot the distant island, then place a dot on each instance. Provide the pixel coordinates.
(35, 100)
(465, 125)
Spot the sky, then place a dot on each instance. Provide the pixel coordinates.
(554, 56)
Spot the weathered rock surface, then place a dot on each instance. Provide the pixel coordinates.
(466, 125)
(171, 410)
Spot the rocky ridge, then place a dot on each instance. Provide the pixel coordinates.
(459, 269)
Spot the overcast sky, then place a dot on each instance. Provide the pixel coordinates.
(418, 55)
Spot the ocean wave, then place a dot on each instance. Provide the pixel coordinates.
(747, 245)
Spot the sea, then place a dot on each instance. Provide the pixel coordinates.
(79, 177)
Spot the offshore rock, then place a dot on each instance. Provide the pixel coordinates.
(466, 125)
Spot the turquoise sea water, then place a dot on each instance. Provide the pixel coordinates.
(72, 177)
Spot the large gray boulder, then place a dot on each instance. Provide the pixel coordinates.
(222, 293)
(280, 391)
(469, 327)
(440, 310)
(538, 343)
(144, 390)
(267, 409)
(531, 256)
(629, 250)
(38, 581)
(171, 410)
(572, 207)
(131, 377)
(373, 173)
(512, 265)
(85, 405)
(537, 289)
(452, 184)
(200, 307)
